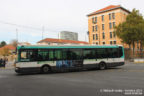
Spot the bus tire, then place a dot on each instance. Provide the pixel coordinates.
(102, 66)
(45, 69)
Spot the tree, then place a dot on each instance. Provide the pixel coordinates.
(120, 32)
(130, 30)
(5, 52)
(141, 36)
(14, 43)
(134, 20)
(3, 43)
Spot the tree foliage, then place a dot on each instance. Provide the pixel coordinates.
(3, 43)
(4, 52)
(132, 30)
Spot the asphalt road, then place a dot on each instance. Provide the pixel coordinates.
(127, 80)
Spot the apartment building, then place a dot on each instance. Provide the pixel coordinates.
(67, 35)
(101, 25)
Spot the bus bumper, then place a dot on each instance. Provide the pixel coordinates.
(115, 64)
(27, 70)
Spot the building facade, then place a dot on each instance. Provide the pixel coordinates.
(23, 43)
(102, 22)
(68, 35)
(52, 41)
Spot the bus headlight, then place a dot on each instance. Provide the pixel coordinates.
(16, 68)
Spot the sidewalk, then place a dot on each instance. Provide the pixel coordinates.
(9, 65)
(132, 62)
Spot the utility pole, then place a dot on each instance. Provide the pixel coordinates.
(85, 37)
(88, 36)
(42, 32)
(16, 37)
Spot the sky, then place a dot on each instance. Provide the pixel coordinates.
(29, 17)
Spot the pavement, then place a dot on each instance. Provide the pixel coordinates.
(9, 65)
(127, 80)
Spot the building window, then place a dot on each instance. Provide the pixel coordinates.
(114, 34)
(113, 24)
(96, 36)
(95, 19)
(114, 42)
(109, 16)
(96, 43)
(102, 17)
(96, 28)
(110, 34)
(93, 28)
(113, 15)
(110, 25)
(103, 43)
(103, 35)
(102, 26)
(110, 42)
(93, 37)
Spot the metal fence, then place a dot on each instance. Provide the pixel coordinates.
(137, 54)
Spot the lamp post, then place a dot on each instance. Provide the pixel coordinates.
(17, 36)
(88, 36)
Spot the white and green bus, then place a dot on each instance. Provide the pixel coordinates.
(47, 58)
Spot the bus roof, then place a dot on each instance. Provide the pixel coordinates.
(66, 46)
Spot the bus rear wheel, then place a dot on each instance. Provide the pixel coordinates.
(102, 66)
(45, 69)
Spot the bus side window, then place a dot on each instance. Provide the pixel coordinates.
(27, 55)
(75, 54)
(51, 54)
(64, 54)
(89, 54)
(45, 55)
(113, 53)
(101, 53)
(86, 54)
(120, 52)
(109, 53)
(40, 55)
(33, 55)
(72, 55)
(58, 54)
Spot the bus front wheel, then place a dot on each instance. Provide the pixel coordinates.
(45, 69)
(102, 66)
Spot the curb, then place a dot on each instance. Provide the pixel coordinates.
(138, 62)
(7, 68)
